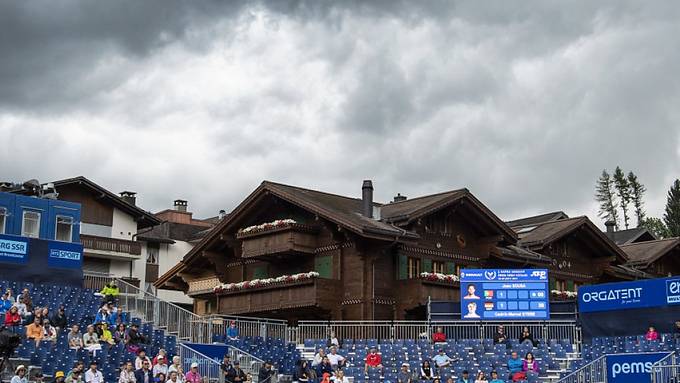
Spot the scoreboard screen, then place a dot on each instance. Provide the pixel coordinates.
(504, 294)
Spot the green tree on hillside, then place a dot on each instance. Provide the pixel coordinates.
(672, 215)
(604, 194)
(656, 227)
(623, 191)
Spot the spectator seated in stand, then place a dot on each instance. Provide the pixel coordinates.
(76, 373)
(25, 314)
(119, 334)
(59, 377)
(340, 377)
(176, 366)
(481, 377)
(232, 331)
(193, 376)
(333, 340)
(127, 373)
(12, 317)
(173, 376)
(465, 378)
(236, 374)
(529, 364)
(337, 360)
(514, 364)
(526, 337)
(5, 304)
(59, 320)
(75, 338)
(93, 375)
(676, 330)
(141, 358)
(161, 353)
(652, 334)
(302, 372)
(442, 361)
(91, 341)
(373, 361)
(105, 336)
(35, 332)
(324, 367)
(49, 332)
(266, 373)
(404, 375)
(144, 373)
(19, 375)
(426, 372)
(134, 339)
(495, 378)
(439, 336)
(160, 367)
(26, 298)
(499, 337)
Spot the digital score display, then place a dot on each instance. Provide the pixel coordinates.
(504, 294)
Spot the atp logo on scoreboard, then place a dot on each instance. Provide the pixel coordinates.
(540, 274)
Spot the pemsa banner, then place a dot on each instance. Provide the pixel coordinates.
(507, 294)
(13, 249)
(632, 368)
(629, 295)
(65, 255)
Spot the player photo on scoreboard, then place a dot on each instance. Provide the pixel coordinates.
(471, 292)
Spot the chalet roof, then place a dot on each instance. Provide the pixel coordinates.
(548, 232)
(346, 212)
(626, 272)
(517, 254)
(411, 209)
(143, 217)
(169, 232)
(638, 234)
(644, 253)
(537, 219)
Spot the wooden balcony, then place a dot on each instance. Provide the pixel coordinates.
(285, 239)
(315, 292)
(414, 292)
(113, 245)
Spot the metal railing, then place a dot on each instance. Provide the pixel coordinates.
(207, 367)
(593, 372)
(250, 364)
(393, 330)
(248, 326)
(665, 370)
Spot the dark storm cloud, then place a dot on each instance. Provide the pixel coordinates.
(522, 102)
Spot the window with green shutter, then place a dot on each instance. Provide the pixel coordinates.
(552, 284)
(450, 268)
(427, 265)
(260, 272)
(403, 267)
(570, 285)
(324, 266)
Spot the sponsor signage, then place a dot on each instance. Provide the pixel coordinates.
(629, 295)
(632, 368)
(507, 294)
(65, 255)
(13, 249)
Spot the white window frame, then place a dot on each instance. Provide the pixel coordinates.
(56, 227)
(23, 223)
(3, 223)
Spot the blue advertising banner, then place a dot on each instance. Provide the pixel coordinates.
(13, 249)
(629, 295)
(508, 294)
(632, 368)
(65, 255)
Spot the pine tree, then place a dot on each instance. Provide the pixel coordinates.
(672, 215)
(623, 191)
(637, 191)
(656, 227)
(604, 194)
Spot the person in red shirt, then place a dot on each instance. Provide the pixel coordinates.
(373, 360)
(12, 317)
(439, 336)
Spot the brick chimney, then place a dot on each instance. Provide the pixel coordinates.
(367, 198)
(181, 205)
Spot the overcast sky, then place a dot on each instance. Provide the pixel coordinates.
(522, 102)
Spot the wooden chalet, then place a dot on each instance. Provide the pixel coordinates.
(577, 252)
(658, 258)
(369, 260)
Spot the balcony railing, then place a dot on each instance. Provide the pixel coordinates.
(111, 244)
(285, 238)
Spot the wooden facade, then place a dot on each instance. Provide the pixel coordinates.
(369, 267)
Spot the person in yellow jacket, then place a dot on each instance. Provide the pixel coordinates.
(110, 292)
(105, 335)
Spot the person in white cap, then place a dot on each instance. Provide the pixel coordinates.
(160, 367)
(193, 376)
(19, 375)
